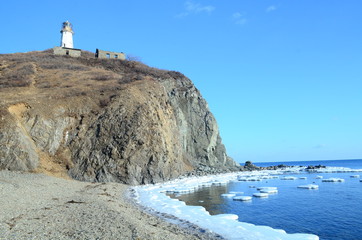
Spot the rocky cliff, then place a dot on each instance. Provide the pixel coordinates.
(103, 120)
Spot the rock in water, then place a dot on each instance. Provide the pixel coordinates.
(103, 120)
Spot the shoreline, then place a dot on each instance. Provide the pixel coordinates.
(37, 206)
(227, 225)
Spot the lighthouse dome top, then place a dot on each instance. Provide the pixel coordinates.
(67, 27)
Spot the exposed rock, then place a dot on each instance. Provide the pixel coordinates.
(249, 166)
(105, 120)
(311, 167)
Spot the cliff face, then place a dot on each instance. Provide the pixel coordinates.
(103, 120)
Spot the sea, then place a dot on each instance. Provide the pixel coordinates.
(333, 211)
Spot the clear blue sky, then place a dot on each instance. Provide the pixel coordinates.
(283, 78)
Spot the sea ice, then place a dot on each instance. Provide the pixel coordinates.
(242, 198)
(355, 176)
(253, 179)
(236, 193)
(228, 195)
(263, 188)
(333, 180)
(334, 170)
(219, 183)
(269, 191)
(261, 195)
(319, 177)
(309, 186)
(303, 178)
(183, 190)
(206, 184)
(153, 197)
(288, 178)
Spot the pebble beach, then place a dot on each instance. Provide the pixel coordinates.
(37, 206)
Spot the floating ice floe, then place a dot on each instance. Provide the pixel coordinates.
(269, 191)
(252, 179)
(242, 198)
(261, 195)
(228, 195)
(334, 170)
(236, 193)
(355, 176)
(267, 188)
(360, 180)
(309, 186)
(319, 177)
(303, 178)
(288, 178)
(153, 197)
(333, 180)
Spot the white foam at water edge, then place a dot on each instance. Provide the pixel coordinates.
(226, 225)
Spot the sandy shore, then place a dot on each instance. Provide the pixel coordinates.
(36, 206)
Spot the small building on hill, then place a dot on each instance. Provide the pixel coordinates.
(110, 55)
(73, 52)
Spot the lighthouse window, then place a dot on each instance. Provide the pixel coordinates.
(67, 52)
(108, 55)
(115, 56)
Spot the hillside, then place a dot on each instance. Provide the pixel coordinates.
(103, 120)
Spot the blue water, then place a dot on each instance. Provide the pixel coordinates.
(333, 212)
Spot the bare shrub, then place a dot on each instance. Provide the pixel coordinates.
(134, 58)
(102, 77)
(17, 76)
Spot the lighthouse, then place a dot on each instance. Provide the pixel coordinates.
(66, 43)
(67, 35)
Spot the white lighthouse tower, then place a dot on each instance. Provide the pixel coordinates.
(67, 35)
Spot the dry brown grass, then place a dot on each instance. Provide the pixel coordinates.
(41, 75)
